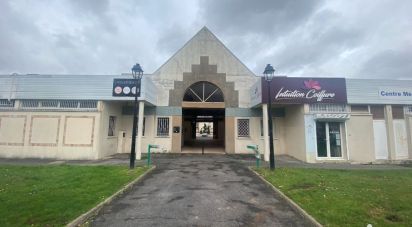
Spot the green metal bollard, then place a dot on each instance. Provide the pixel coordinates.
(149, 147)
(255, 148)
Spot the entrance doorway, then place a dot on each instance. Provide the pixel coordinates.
(203, 130)
(329, 139)
(203, 113)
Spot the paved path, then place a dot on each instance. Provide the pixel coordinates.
(281, 161)
(201, 191)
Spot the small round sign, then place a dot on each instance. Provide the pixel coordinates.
(134, 90)
(118, 90)
(126, 90)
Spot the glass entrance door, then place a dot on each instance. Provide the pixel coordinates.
(321, 139)
(329, 139)
(335, 140)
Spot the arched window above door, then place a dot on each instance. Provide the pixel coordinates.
(203, 92)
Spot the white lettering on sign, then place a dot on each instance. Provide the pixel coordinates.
(319, 95)
(395, 93)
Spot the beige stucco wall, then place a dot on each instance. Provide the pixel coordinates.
(149, 137)
(254, 138)
(59, 135)
(176, 121)
(108, 144)
(230, 134)
(360, 138)
(279, 135)
(294, 127)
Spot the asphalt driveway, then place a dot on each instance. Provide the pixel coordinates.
(195, 190)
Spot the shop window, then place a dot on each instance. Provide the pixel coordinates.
(378, 112)
(112, 125)
(163, 126)
(243, 129)
(397, 112)
(359, 109)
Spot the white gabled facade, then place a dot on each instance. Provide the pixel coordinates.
(204, 43)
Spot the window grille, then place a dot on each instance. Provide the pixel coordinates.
(408, 109)
(30, 103)
(112, 125)
(49, 103)
(243, 128)
(328, 108)
(71, 104)
(88, 104)
(60, 105)
(163, 126)
(5, 103)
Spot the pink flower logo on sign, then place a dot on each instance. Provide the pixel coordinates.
(312, 84)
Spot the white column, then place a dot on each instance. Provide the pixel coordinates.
(140, 131)
(265, 130)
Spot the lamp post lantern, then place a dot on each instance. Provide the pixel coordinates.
(269, 73)
(137, 73)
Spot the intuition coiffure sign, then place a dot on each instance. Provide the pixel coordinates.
(298, 90)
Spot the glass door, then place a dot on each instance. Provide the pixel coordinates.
(335, 140)
(321, 139)
(329, 139)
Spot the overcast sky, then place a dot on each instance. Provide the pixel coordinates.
(363, 39)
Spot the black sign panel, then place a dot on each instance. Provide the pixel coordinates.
(298, 90)
(125, 87)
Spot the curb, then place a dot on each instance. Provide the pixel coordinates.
(309, 219)
(79, 221)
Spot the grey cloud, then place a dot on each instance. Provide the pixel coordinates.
(308, 37)
(97, 11)
(315, 45)
(389, 64)
(267, 16)
(172, 39)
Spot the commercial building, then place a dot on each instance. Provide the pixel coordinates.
(204, 96)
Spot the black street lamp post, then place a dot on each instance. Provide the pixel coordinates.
(269, 73)
(137, 73)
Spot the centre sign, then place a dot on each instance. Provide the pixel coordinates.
(299, 90)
